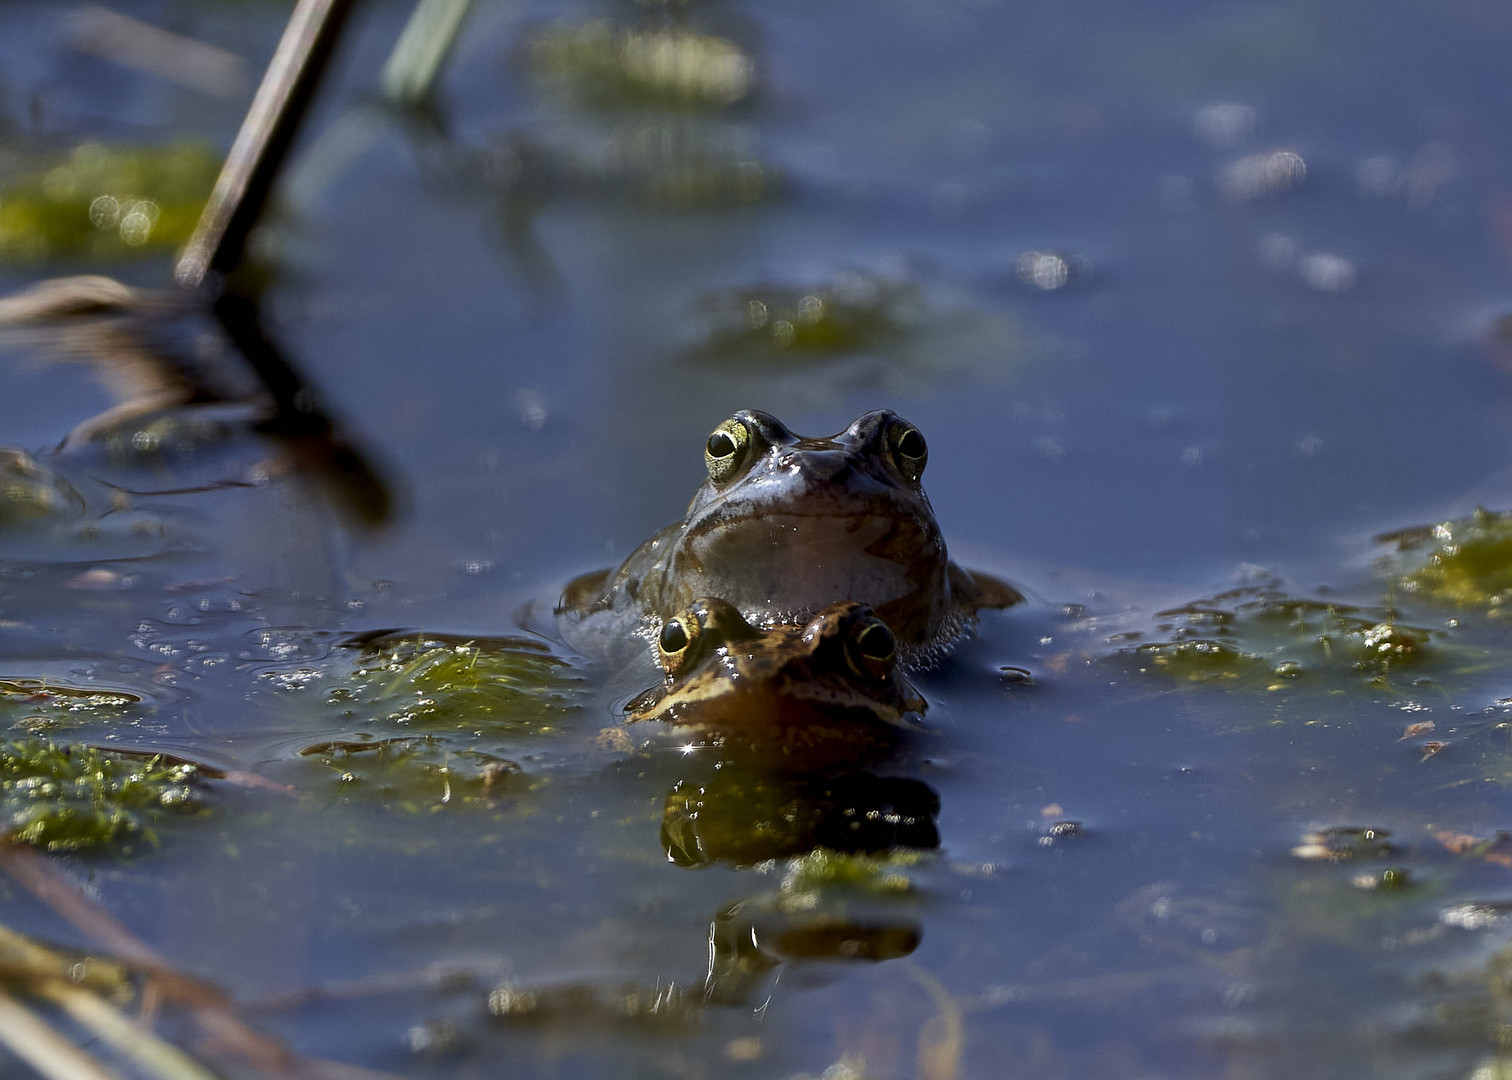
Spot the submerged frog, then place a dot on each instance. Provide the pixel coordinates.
(809, 695)
(785, 525)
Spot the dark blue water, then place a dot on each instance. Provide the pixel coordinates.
(1231, 387)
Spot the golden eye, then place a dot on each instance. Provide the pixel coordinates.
(872, 648)
(909, 450)
(726, 450)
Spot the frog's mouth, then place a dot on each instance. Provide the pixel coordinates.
(791, 565)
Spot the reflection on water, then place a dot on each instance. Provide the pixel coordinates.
(1190, 304)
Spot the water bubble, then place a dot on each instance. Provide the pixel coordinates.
(1043, 270)
(1268, 173)
(136, 224)
(105, 212)
(1326, 273)
(532, 406)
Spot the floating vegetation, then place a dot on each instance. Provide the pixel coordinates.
(824, 871)
(105, 203)
(1465, 563)
(420, 773)
(600, 64)
(440, 716)
(853, 311)
(37, 706)
(79, 798)
(437, 683)
(1262, 634)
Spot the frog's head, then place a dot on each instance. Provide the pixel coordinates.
(824, 688)
(784, 525)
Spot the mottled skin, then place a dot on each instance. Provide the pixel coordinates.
(810, 695)
(785, 525)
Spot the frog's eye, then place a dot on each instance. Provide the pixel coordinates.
(726, 450)
(909, 451)
(673, 639)
(872, 648)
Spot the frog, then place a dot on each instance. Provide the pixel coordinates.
(823, 692)
(784, 525)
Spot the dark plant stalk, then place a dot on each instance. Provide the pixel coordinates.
(283, 97)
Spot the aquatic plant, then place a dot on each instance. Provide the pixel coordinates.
(1465, 563)
(438, 717)
(438, 683)
(102, 202)
(420, 773)
(852, 311)
(79, 798)
(1261, 634)
(824, 872)
(599, 63)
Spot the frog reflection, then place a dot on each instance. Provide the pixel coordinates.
(786, 524)
(802, 697)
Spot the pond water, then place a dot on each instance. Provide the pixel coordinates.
(1193, 304)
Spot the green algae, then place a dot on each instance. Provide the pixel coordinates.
(80, 798)
(1465, 563)
(773, 321)
(442, 722)
(438, 683)
(600, 64)
(824, 872)
(419, 774)
(1261, 635)
(103, 203)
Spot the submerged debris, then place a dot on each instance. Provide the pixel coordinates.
(78, 798)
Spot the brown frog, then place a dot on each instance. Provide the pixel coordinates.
(786, 524)
(806, 695)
